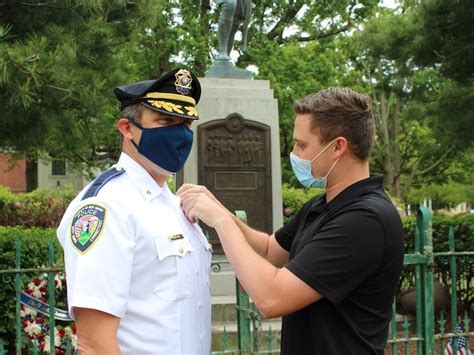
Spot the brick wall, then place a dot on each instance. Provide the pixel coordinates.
(15, 177)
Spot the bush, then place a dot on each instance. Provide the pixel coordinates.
(295, 198)
(33, 254)
(39, 208)
(463, 227)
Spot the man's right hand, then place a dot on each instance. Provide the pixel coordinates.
(186, 188)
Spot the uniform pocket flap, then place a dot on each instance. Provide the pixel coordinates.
(177, 245)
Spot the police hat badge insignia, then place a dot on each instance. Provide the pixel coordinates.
(183, 81)
(87, 226)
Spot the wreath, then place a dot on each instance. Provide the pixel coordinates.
(35, 312)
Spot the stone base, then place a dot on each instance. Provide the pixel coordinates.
(223, 283)
(253, 100)
(225, 69)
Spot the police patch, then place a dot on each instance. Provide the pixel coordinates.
(87, 226)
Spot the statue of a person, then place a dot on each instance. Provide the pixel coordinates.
(232, 13)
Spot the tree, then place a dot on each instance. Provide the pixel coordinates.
(302, 21)
(58, 65)
(447, 34)
(409, 148)
(59, 61)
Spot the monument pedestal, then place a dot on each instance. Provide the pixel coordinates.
(236, 155)
(225, 69)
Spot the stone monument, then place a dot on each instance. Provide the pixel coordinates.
(234, 162)
(232, 14)
(236, 150)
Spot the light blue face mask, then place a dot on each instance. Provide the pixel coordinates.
(303, 171)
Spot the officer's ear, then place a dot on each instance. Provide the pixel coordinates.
(125, 128)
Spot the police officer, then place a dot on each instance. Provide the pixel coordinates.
(137, 270)
(331, 271)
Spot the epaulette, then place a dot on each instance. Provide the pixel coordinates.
(101, 180)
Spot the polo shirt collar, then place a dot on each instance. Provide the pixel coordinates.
(373, 182)
(140, 178)
(319, 203)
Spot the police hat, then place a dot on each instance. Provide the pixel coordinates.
(176, 93)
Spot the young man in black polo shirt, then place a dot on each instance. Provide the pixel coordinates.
(343, 250)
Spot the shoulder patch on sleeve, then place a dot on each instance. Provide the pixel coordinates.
(86, 226)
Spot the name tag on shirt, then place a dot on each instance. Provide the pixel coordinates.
(175, 237)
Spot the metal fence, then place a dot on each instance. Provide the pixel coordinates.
(421, 333)
(430, 335)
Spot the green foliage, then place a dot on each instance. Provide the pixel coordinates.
(446, 195)
(171, 182)
(33, 254)
(53, 79)
(453, 115)
(422, 123)
(57, 82)
(446, 37)
(463, 228)
(307, 20)
(295, 198)
(295, 71)
(39, 208)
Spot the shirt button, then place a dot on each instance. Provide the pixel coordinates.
(181, 250)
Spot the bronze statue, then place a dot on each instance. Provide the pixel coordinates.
(233, 12)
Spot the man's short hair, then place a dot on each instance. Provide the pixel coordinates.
(342, 112)
(133, 112)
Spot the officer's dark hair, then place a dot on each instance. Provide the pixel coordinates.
(342, 112)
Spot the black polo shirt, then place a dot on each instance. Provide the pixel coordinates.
(350, 250)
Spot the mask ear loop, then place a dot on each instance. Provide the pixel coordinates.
(136, 124)
(139, 126)
(332, 167)
(322, 151)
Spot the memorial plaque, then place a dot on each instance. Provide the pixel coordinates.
(234, 163)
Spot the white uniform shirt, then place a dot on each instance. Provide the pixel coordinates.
(147, 264)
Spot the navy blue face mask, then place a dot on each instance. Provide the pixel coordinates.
(168, 147)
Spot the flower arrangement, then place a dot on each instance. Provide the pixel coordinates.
(36, 324)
